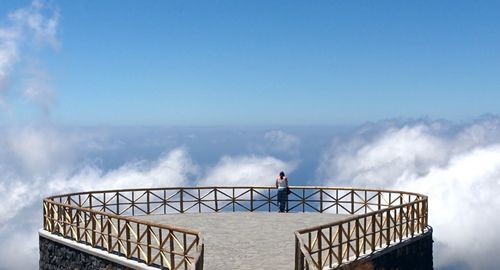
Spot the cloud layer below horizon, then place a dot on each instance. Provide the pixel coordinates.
(38, 161)
(458, 167)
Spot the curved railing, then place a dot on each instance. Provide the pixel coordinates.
(380, 218)
(105, 220)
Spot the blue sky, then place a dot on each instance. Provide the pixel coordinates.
(270, 62)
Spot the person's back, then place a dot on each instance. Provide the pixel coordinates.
(281, 182)
(282, 185)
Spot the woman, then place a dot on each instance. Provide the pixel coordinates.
(282, 185)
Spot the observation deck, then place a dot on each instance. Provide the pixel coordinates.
(234, 227)
(247, 240)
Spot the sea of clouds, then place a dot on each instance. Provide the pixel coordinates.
(36, 162)
(456, 164)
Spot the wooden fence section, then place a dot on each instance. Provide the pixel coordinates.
(104, 219)
(381, 218)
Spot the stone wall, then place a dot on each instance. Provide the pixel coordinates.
(414, 254)
(55, 256)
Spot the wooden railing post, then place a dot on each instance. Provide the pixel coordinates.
(184, 248)
(139, 244)
(320, 247)
(321, 200)
(51, 214)
(412, 226)
(337, 202)
(233, 198)
(348, 240)
(388, 225)
(215, 199)
(110, 239)
(78, 234)
(93, 234)
(374, 218)
(269, 200)
(303, 200)
(104, 203)
(400, 221)
(287, 200)
(299, 256)
(132, 202)
(148, 202)
(58, 217)
(199, 201)
(148, 241)
(356, 224)
(64, 220)
(418, 217)
(90, 199)
(117, 203)
(426, 213)
(129, 244)
(71, 224)
(182, 200)
(297, 251)
(251, 199)
(172, 254)
(339, 252)
(379, 204)
(45, 215)
(199, 263)
(352, 202)
(365, 202)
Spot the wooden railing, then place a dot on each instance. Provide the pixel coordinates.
(380, 218)
(105, 220)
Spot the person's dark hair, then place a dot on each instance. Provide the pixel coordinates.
(282, 174)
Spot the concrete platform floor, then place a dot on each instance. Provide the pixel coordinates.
(247, 240)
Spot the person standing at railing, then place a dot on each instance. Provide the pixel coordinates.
(282, 186)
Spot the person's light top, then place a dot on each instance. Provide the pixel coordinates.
(282, 183)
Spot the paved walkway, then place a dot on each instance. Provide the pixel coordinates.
(247, 240)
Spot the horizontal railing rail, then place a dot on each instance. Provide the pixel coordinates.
(105, 219)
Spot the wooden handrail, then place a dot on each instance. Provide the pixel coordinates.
(354, 218)
(237, 187)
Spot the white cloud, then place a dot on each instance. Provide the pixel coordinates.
(8, 56)
(41, 176)
(39, 161)
(21, 199)
(19, 248)
(389, 156)
(14, 197)
(246, 170)
(459, 170)
(35, 25)
(37, 87)
(35, 22)
(458, 167)
(464, 204)
(282, 141)
(39, 150)
(171, 169)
